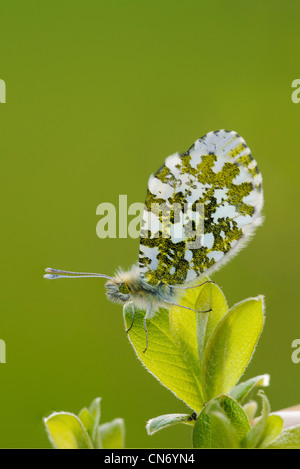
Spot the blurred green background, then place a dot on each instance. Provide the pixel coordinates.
(98, 94)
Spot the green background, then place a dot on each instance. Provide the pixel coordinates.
(98, 94)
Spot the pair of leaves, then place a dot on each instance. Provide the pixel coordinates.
(212, 427)
(224, 422)
(69, 431)
(267, 431)
(221, 424)
(198, 356)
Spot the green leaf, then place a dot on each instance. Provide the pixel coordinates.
(87, 421)
(223, 434)
(256, 432)
(250, 408)
(273, 428)
(288, 439)
(66, 431)
(210, 297)
(90, 419)
(231, 346)
(164, 421)
(164, 358)
(95, 412)
(206, 433)
(173, 354)
(242, 390)
(113, 434)
(184, 323)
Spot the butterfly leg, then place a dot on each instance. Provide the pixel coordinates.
(133, 311)
(193, 286)
(147, 315)
(191, 309)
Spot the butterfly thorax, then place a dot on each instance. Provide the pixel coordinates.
(130, 285)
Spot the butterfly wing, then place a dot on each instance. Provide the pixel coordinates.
(201, 208)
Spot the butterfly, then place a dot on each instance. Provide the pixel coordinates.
(201, 208)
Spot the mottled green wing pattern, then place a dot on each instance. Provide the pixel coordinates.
(201, 208)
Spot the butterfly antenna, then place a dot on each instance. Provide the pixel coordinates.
(53, 274)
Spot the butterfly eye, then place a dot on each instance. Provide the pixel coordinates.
(123, 289)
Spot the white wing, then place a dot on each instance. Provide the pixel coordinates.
(212, 194)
